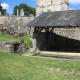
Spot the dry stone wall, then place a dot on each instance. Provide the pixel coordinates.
(15, 24)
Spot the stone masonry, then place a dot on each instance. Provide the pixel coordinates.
(13, 46)
(16, 22)
(50, 5)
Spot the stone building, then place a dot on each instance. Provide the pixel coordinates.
(50, 5)
(57, 27)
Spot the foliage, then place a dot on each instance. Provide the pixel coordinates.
(3, 11)
(17, 67)
(26, 40)
(27, 9)
(0, 8)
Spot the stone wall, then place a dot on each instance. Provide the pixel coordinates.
(18, 23)
(73, 33)
(13, 46)
(50, 5)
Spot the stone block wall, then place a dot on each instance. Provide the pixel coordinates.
(17, 22)
(50, 5)
(73, 33)
(13, 46)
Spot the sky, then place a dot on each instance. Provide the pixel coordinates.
(10, 4)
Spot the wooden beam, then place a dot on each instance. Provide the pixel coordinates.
(46, 29)
(37, 29)
(51, 30)
(34, 41)
(41, 29)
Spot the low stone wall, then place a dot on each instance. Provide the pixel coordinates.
(13, 46)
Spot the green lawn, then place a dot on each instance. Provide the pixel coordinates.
(18, 67)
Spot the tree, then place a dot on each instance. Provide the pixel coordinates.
(27, 9)
(15, 10)
(3, 11)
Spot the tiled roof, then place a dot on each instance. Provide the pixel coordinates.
(57, 19)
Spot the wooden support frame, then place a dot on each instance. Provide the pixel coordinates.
(37, 30)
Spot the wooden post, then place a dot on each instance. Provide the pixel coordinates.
(34, 40)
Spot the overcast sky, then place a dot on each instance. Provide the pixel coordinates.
(10, 4)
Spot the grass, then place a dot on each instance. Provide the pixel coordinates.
(6, 37)
(25, 39)
(18, 67)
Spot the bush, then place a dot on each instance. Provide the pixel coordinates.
(26, 40)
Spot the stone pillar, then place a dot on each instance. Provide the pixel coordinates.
(22, 12)
(23, 47)
(0, 13)
(17, 12)
(34, 41)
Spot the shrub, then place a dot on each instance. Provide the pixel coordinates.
(26, 40)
